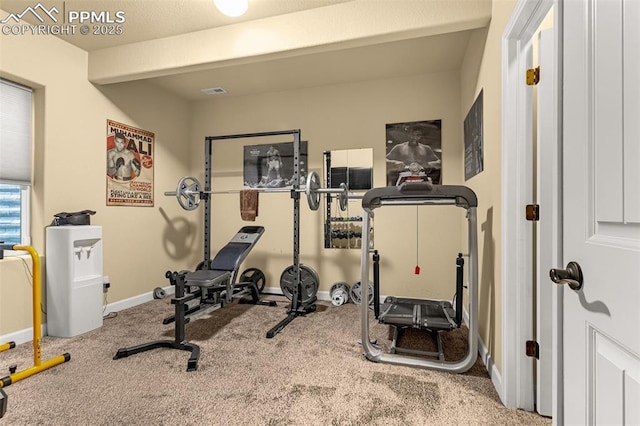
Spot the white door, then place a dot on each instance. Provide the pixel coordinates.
(601, 211)
(547, 252)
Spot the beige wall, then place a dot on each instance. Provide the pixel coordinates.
(140, 244)
(340, 117)
(15, 295)
(482, 70)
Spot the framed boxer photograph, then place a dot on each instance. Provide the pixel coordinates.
(414, 147)
(271, 165)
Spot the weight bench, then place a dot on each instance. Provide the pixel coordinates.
(212, 285)
(434, 316)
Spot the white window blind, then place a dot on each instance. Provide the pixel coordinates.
(15, 133)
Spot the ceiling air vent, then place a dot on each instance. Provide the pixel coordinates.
(213, 91)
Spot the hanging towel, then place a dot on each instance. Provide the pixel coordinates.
(249, 204)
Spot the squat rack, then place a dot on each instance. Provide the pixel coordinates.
(298, 307)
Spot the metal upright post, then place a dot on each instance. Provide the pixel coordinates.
(376, 284)
(298, 307)
(208, 150)
(329, 199)
(295, 299)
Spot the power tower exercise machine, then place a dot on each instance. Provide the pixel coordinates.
(432, 315)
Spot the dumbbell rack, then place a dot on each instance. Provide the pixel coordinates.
(297, 307)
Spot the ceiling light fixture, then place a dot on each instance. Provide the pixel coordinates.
(233, 8)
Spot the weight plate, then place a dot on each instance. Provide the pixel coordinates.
(340, 297)
(159, 293)
(356, 293)
(313, 196)
(339, 293)
(343, 197)
(309, 283)
(254, 275)
(188, 193)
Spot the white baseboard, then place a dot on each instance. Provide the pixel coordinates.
(272, 290)
(324, 295)
(135, 300)
(494, 374)
(22, 336)
(486, 357)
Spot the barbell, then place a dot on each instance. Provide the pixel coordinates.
(189, 192)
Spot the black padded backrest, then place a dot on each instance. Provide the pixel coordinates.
(230, 256)
(237, 249)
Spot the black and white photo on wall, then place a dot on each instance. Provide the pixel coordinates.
(271, 165)
(414, 148)
(473, 140)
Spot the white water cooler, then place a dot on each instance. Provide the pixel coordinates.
(74, 279)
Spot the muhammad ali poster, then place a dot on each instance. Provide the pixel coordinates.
(129, 165)
(414, 149)
(271, 165)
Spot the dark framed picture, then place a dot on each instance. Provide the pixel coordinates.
(271, 165)
(414, 148)
(356, 178)
(473, 140)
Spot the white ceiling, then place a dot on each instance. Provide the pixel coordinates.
(155, 19)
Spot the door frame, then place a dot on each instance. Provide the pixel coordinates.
(517, 191)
